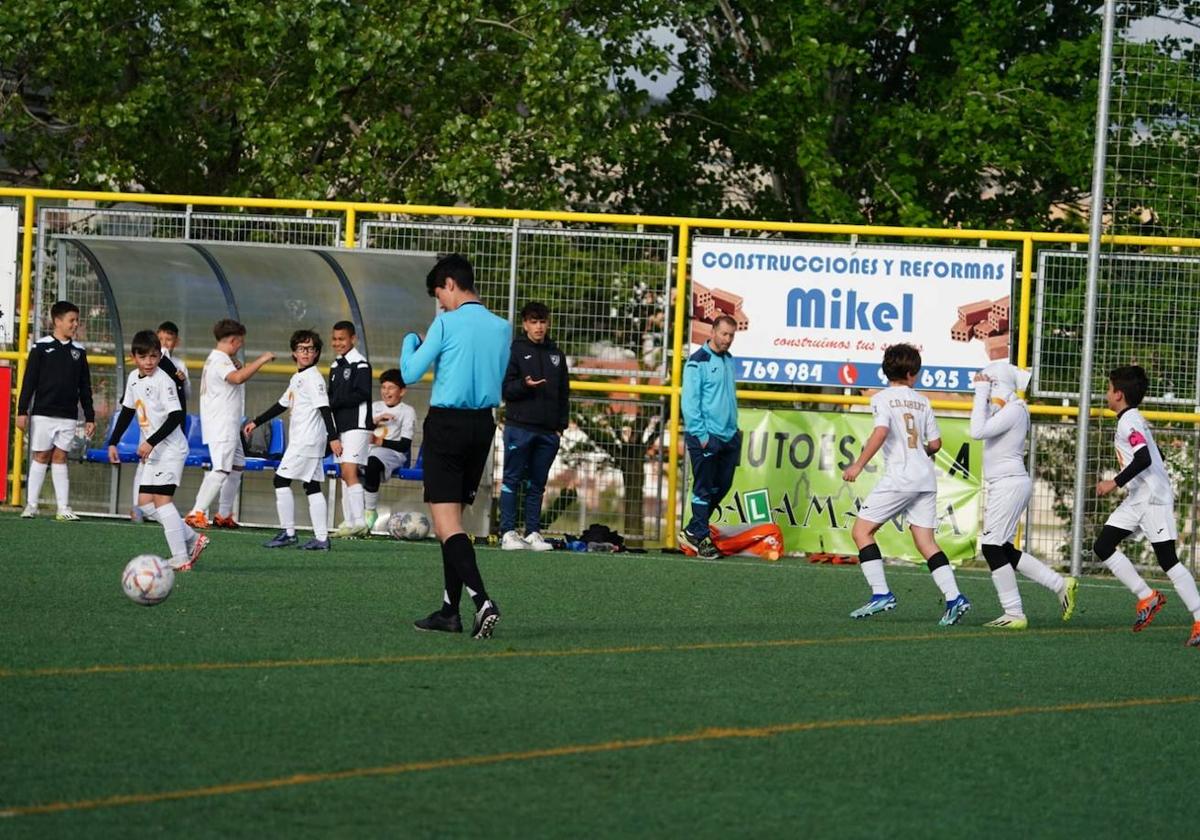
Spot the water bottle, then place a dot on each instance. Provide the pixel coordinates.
(604, 547)
(577, 545)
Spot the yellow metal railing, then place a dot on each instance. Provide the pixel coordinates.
(684, 227)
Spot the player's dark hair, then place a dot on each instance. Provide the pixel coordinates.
(301, 336)
(725, 319)
(345, 326)
(1130, 380)
(144, 342)
(535, 311)
(227, 327)
(451, 265)
(392, 375)
(901, 360)
(61, 308)
(169, 327)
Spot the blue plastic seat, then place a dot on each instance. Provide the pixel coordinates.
(126, 446)
(198, 455)
(417, 471)
(275, 446)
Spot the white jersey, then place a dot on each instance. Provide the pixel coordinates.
(1151, 485)
(153, 398)
(402, 425)
(1003, 431)
(222, 403)
(908, 417)
(305, 396)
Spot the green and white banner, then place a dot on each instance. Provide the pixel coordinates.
(791, 474)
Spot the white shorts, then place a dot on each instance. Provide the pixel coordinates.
(1155, 522)
(883, 505)
(390, 458)
(301, 467)
(226, 454)
(162, 467)
(1005, 501)
(356, 443)
(51, 433)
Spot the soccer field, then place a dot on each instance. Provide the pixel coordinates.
(285, 693)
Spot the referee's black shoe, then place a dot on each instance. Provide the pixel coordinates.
(486, 620)
(435, 621)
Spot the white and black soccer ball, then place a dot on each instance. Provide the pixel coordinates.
(147, 580)
(408, 525)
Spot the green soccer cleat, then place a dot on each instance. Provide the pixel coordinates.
(371, 517)
(1067, 599)
(1009, 622)
(877, 604)
(66, 515)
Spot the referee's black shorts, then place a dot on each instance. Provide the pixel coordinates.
(455, 451)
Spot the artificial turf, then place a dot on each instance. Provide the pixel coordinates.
(284, 693)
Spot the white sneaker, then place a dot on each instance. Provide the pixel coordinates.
(512, 541)
(30, 512)
(346, 532)
(536, 542)
(66, 515)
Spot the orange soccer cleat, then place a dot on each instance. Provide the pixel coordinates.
(197, 519)
(1147, 608)
(225, 521)
(1194, 639)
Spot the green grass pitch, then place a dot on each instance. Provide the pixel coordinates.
(281, 693)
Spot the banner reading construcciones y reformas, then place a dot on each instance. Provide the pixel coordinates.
(822, 313)
(791, 474)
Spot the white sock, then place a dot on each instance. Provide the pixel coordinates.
(149, 512)
(229, 492)
(62, 485)
(1185, 585)
(943, 576)
(1124, 571)
(1005, 580)
(137, 487)
(173, 531)
(209, 488)
(873, 571)
(370, 500)
(37, 477)
(357, 502)
(285, 506)
(347, 514)
(318, 512)
(1039, 572)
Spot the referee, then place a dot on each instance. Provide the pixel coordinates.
(469, 347)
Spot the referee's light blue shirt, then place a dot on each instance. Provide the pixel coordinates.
(469, 350)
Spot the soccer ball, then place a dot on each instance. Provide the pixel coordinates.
(408, 526)
(147, 580)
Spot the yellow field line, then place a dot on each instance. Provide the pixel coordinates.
(407, 659)
(713, 733)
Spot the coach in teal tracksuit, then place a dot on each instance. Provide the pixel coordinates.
(713, 441)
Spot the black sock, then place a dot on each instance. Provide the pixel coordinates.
(460, 551)
(453, 584)
(937, 561)
(869, 552)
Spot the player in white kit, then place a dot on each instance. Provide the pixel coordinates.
(1148, 508)
(907, 432)
(310, 431)
(1001, 420)
(152, 399)
(391, 443)
(222, 406)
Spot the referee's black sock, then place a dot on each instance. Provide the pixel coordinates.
(460, 551)
(453, 593)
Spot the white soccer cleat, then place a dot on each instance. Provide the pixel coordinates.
(536, 542)
(30, 512)
(66, 515)
(511, 541)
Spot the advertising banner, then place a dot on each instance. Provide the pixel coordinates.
(822, 313)
(791, 474)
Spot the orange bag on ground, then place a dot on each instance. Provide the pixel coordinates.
(764, 541)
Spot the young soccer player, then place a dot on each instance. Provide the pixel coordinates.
(151, 397)
(908, 433)
(168, 339)
(57, 384)
(350, 400)
(222, 404)
(469, 347)
(1001, 420)
(391, 444)
(1149, 506)
(310, 430)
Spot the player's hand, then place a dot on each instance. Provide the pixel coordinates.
(1103, 488)
(89, 429)
(851, 472)
(530, 382)
(179, 374)
(113, 456)
(980, 376)
(335, 446)
(22, 422)
(267, 357)
(248, 429)
(384, 418)
(144, 449)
